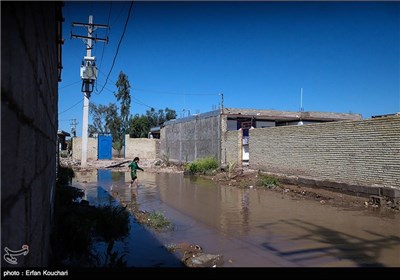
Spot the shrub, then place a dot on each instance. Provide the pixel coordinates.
(202, 165)
(157, 220)
(267, 181)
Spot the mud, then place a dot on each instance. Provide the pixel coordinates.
(248, 179)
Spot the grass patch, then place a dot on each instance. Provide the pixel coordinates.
(158, 221)
(267, 181)
(203, 165)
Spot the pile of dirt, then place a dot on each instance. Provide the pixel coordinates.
(247, 178)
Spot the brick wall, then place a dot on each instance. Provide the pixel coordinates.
(232, 148)
(363, 152)
(29, 116)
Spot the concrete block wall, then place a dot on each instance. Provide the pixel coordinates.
(144, 148)
(92, 149)
(187, 141)
(232, 148)
(29, 118)
(363, 152)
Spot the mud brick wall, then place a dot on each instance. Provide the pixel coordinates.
(29, 117)
(91, 148)
(144, 148)
(232, 147)
(363, 152)
(183, 142)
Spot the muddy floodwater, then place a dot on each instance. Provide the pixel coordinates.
(249, 227)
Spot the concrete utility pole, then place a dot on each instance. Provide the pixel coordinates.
(222, 103)
(88, 75)
(73, 124)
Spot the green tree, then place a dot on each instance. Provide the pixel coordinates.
(170, 114)
(119, 123)
(99, 115)
(139, 126)
(106, 119)
(124, 96)
(152, 117)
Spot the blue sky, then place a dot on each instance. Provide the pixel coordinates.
(183, 55)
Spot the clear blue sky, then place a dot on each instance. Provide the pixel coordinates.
(182, 55)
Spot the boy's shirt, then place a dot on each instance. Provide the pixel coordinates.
(134, 166)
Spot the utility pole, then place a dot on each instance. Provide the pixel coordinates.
(222, 103)
(73, 124)
(301, 107)
(301, 100)
(88, 76)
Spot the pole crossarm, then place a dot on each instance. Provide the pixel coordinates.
(91, 38)
(90, 25)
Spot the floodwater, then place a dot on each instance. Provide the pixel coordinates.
(249, 227)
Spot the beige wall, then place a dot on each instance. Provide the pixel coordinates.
(356, 152)
(144, 148)
(135, 147)
(77, 148)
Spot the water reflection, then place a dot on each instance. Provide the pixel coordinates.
(259, 227)
(140, 248)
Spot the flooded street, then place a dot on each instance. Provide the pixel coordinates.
(249, 227)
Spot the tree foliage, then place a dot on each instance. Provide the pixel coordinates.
(124, 96)
(103, 117)
(106, 119)
(117, 120)
(139, 126)
(120, 122)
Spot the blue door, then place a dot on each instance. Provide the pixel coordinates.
(104, 147)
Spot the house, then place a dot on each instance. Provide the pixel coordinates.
(204, 135)
(61, 137)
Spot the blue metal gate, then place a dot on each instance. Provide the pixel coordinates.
(104, 147)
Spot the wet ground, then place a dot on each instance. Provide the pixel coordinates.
(249, 227)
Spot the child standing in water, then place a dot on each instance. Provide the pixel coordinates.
(134, 166)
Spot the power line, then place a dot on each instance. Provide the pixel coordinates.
(119, 44)
(162, 92)
(141, 103)
(104, 47)
(118, 15)
(71, 107)
(70, 84)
